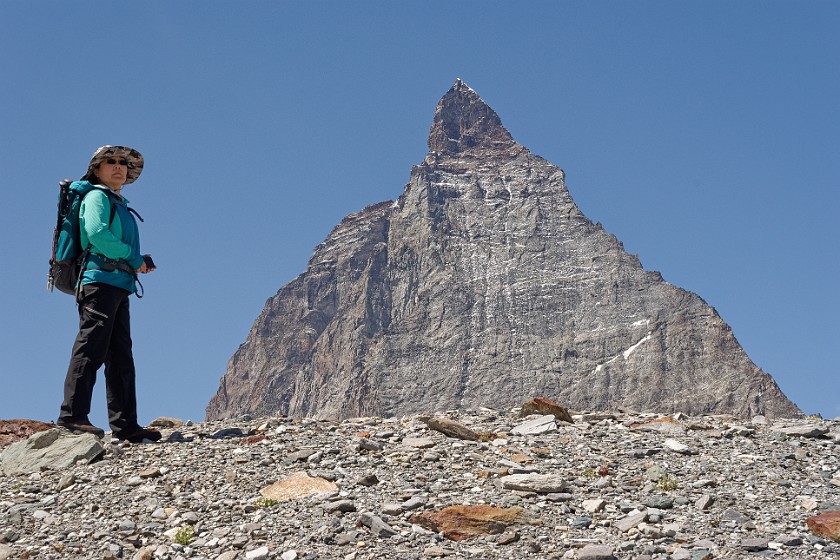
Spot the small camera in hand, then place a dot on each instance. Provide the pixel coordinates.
(150, 264)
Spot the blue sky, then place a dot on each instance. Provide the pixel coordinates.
(704, 135)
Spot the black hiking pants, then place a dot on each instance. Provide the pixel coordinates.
(104, 338)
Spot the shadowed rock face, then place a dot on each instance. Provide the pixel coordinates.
(485, 285)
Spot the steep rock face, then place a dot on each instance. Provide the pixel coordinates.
(484, 285)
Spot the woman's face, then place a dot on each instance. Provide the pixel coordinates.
(113, 172)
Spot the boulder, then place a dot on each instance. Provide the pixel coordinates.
(826, 525)
(52, 449)
(459, 523)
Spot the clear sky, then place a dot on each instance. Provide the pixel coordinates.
(704, 135)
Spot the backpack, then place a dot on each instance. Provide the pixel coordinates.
(68, 258)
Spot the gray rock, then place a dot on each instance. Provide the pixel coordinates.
(178, 437)
(420, 443)
(539, 483)
(368, 444)
(630, 521)
(508, 537)
(659, 502)
(642, 453)
(66, 482)
(789, 540)
(595, 552)
(804, 430)
(704, 502)
(754, 544)
(368, 480)
(392, 509)
(343, 506)
(540, 425)
(301, 455)
(342, 539)
(594, 505)
(656, 473)
(580, 522)
(420, 304)
(231, 432)
(679, 447)
(52, 449)
(260, 553)
(735, 516)
(558, 496)
(376, 525)
(414, 502)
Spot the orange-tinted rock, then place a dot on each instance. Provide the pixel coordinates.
(15, 430)
(253, 439)
(826, 525)
(664, 424)
(459, 523)
(298, 485)
(542, 405)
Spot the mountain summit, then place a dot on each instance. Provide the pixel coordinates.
(464, 122)
(485, 285)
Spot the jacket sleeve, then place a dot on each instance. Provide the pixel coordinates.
(95, 217)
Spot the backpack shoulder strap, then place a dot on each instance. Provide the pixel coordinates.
(114, 200)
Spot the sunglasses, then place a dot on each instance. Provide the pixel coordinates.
(121, 161)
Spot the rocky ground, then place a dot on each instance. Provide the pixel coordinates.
(607, 486)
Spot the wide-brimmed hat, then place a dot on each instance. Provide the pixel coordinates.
(132, 156)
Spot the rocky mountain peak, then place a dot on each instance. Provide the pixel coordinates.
(484, 285)
(463, 121)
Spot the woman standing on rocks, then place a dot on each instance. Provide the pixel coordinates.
(108, 278)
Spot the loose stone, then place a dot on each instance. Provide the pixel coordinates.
(376, 525)
(539, 425)
(595, 552)
(631, 521)
(754, 544)
(595, 505)
(419, 443)
(540, 483)
(704, 502)
(257, 554)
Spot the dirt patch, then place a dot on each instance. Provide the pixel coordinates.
(16, 430)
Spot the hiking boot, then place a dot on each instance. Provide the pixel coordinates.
(139, 435)
(81, 428)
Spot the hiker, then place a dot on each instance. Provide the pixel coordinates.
(108, 277)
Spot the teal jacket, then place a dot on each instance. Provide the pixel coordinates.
(119, 240)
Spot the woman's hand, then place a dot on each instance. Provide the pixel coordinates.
(143, 269)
